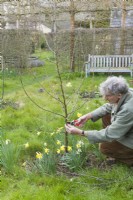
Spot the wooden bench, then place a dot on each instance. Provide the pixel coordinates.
(109, 64)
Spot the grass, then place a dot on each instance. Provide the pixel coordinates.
(27, 129)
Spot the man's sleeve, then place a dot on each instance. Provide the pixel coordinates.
(116, 131)
(101, 111)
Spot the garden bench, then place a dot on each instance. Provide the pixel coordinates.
(109, 64)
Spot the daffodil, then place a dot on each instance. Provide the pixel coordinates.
(69, 84)
(38, 133)
(7, 141)
(46, 150)
(24, 164)
(81, 142)
(39, 155)
(58, 142)
(78, 151)
(26, 145)
(79, 114)
(58, 151)
(78, 145)
(62, 148)
(69, 148)
(45, 144)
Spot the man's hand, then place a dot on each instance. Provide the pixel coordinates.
(83, 119)
(73, 130)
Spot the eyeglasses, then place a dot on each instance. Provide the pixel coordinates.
(109, 95)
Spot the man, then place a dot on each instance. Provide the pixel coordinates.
(116, 138)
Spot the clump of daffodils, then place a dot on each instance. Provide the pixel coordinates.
(62, 147)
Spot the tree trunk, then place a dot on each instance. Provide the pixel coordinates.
(72, 36)
(123, 19)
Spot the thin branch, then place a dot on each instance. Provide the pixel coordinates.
(36, 103)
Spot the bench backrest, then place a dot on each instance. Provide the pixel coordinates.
(103, 61)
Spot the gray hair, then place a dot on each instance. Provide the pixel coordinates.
(114, 85)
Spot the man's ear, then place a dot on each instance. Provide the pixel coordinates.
(119, 95)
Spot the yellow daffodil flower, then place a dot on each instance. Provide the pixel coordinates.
(58, 142)
(62, 148)
(38, 133)
(26, 145)
(78, 145)
(79, 114)
(58, 151)
(7, 141)
(69, 148)
(46, 150)
(39, 155)
(45, 144)
(69, 84)
(24, 164)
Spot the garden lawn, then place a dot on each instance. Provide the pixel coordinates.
(33, 161)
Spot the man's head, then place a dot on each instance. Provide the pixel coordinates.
(114, 88)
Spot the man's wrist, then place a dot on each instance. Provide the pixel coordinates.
(89, 116)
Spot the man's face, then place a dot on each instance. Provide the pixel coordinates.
(113, 99)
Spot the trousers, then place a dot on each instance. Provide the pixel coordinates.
(115, 149)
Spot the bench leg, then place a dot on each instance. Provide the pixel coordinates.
(87, 72)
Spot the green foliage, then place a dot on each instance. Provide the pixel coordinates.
(9, 156)
(74, 161)
(47, 164)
